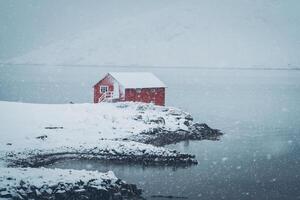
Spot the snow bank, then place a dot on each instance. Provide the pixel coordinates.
(48, 126)
(100, 131)
(11, 177)
(42, 183)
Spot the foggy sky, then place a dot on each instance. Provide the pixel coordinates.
(28, 25)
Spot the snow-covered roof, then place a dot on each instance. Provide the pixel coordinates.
(137, 79)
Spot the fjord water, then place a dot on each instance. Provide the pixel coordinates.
(258, 110)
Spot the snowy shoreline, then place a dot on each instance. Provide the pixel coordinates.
(35, 135)
(43, 183)
(35, 159)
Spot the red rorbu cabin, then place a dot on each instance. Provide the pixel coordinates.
(130, 86)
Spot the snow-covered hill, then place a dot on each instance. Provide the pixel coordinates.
(51, 128)
(231, 33)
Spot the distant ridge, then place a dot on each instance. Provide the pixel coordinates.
(151, 67)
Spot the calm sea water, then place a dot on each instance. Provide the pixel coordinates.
(259, 110)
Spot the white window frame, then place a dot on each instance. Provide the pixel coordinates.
(138, 90)
(102, 87)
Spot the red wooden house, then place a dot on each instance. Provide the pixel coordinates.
(130, 86)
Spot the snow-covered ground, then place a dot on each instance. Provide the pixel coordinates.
(43, 183)
(47, 127)
(92, 130)
(11, 177)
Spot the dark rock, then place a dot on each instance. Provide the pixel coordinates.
(165, 109)
(124, 192)
(60, 194)
(54, 127)
(138, 117)
(5, 194)
(187, 123)
(119, 182)
(160, 136)
(80, 182)
(117, 196)
(22, 183)
(89, 182)
(42, 137)
(168, 197)
(105, 190)
(139, 191)
(122, 105)
(189, 117)
(159, 120)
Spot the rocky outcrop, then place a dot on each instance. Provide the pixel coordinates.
(92, 189)
(160, 136)
(146, 159)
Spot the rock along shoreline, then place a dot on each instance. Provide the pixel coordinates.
(160, 136)
(48, 159)
(29, 183)
(77, 191)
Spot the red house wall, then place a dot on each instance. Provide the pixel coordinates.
(107, 81)
(146, 95)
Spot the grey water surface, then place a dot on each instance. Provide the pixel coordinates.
(259, 111)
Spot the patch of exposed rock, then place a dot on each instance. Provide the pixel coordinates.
(145, 159)
(160, 136)
(92, 189)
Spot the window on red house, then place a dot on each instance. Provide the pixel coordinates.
(103, 88)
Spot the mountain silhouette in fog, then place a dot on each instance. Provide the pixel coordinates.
(184, 33)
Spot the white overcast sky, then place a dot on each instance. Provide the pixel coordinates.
(29, 24)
